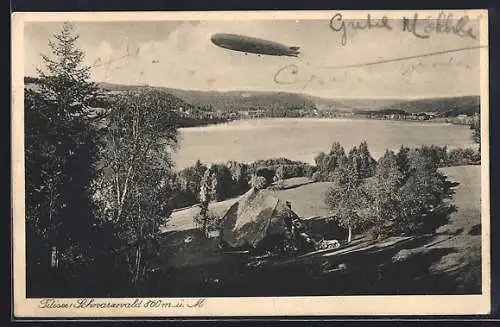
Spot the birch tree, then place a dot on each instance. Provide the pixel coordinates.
(386, 210)
(347, 200)
(133, 189)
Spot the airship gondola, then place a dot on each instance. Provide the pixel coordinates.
(249, 44)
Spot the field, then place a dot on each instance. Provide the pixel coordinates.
(445, 261)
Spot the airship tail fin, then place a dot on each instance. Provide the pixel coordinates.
(294, 48)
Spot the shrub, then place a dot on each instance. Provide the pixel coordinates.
(259, 182)
(309, 171)
(285, 168)
(207, 222)
(316, 176)
(468, 156)
(267, 173)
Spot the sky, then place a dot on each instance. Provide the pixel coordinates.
(179, 54)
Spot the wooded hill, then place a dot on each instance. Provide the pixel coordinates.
(268, 101)
(232, 101)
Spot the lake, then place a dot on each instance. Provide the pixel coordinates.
(303, 138)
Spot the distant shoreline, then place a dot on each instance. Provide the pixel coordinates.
(350, 118)
(301, 139)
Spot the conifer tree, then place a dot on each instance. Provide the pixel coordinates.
(60, 149)
(65, 80)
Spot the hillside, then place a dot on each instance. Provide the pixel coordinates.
(352, 104)
(188, 115)
(251, 100)
(281, 102)
(445, 107)
(232, 100)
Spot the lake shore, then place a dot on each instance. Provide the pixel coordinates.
(217, 122)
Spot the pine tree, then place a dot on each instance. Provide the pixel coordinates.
(190, 180)
(368, 164)
(327, 164)
(61, 148)
(65, 80)
(319, 160)
(239, 175)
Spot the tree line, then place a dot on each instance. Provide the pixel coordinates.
(230, 179)
(360, 158)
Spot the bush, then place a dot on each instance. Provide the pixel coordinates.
(208, 222)
(376, 233)
(309, 170)
(267, 173)
(316, 177)
(259, 182)
(442, 157)
(458, 157)
(283, 167)
(437, 155)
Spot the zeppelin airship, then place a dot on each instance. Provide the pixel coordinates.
(249, 44)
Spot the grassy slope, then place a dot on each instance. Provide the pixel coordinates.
(448, 260)
(463, 233)
(306, 198)
(444, 262)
